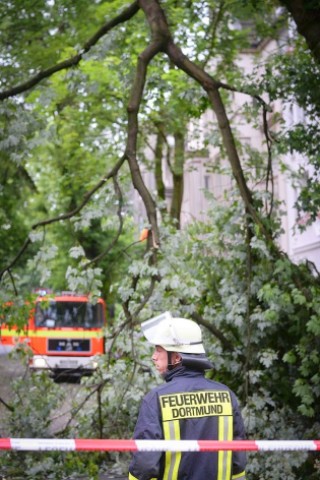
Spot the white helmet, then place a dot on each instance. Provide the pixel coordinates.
(174, 334)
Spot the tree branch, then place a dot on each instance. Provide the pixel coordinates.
(131, 149)
(306, 15)
(9, 407)
(212, 329)
(120, 227)
(64, 216)
(124, 16)
(161, 32)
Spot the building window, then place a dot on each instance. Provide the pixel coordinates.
(207, 182)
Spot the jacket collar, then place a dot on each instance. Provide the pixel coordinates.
(181, 371)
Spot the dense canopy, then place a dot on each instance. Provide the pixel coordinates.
(96, 97)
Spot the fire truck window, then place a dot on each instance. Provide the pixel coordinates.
(45, 316)
(39, 317)
(67, 319)
(94, 317)
(69, 314)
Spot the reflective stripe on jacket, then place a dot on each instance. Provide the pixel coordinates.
(189, 407)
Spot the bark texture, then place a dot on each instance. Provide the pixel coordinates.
(306, 14)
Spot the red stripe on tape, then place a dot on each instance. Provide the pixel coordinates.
(106, 445)
(5, 444)
(216, 445)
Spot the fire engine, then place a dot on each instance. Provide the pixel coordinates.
(65, 333)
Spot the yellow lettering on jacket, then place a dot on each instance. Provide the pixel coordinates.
(205, 403)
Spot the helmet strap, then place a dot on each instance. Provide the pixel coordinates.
(171, 365)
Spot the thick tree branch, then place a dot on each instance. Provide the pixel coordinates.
(124, 16)
(133, 127)
(160, 31)
(306, 14)
(212, 89)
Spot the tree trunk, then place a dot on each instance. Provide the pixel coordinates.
(306, 14)
(177, 173)
(158, 166)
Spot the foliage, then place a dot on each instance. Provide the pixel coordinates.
(292, 77)
(254, 317)
(72, 149)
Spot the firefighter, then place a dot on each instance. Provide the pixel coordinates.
(187, 406)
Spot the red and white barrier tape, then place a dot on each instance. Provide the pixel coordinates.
(40, 444)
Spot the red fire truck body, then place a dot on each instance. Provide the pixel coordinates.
(65, 333)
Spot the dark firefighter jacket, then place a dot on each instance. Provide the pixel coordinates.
(189, 407)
